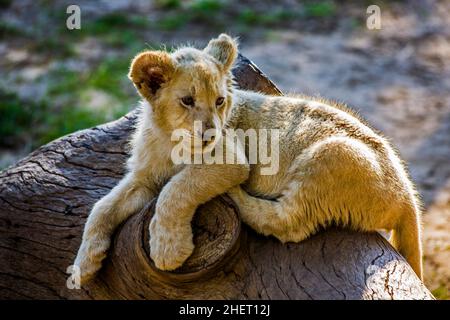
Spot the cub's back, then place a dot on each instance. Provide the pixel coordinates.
(302, 121)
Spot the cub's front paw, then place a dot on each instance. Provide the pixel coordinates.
(90, 256)
(170, 246)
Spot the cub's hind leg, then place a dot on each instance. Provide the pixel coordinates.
(332, 181)
(283, 218)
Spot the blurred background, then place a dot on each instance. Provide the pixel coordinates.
(54, 81)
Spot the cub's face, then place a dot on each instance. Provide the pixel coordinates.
(189, 89)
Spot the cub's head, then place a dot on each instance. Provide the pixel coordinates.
(188, 85)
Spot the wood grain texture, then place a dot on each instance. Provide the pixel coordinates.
(46, 198)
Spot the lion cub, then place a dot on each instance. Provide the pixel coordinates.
(332, 167)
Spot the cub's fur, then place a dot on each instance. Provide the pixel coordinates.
(333, 169)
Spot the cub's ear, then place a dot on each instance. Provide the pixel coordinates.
(150, 70)
(224, 49)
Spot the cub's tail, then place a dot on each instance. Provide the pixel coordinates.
(406, 238)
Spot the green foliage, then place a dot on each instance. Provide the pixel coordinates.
(206, 6)
(63, 110)
(16, 118)
(172, 21)
(252, 17)
(125, 39)
(8, 30)
(55, 46)
(115, 30)
(248, 16)
(110, 76)
(321, 9)
(114, 21)
(67, 120)
(207, 11)
(63, 81)
(168, 4)
(36, 121)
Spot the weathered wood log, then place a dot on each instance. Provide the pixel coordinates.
(46, 197)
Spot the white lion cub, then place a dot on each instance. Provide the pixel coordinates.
(332, 167)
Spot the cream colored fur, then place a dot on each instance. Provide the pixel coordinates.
(333, 168)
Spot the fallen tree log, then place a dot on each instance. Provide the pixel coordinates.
(46, 197)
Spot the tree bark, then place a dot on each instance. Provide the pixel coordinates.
(46, 198)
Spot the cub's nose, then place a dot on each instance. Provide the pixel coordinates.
(208, 136)
(207, 126)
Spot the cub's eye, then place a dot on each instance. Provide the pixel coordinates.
(220, 101)
(187, 101)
